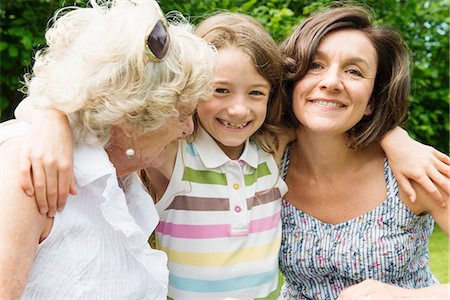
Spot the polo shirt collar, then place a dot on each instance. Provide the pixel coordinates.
(213, 156)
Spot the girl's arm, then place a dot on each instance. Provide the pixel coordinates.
(425, 204)
(22, 227)
(372, 289)
(412, 161)
(46, 157)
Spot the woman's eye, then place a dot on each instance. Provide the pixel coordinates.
(355, 72)
(315, 66)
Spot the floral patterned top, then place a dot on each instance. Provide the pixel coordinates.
(388, 243)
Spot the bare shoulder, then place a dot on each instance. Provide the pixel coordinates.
(13, 199)
(22, 224)
(9, 122)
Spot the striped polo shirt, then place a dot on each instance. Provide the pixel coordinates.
(220, 222)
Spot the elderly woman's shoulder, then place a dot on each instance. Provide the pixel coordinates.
(9, 122)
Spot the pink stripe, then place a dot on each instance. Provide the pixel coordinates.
(214, 231)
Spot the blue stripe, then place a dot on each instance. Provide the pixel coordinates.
(191, 150)
(216, 286)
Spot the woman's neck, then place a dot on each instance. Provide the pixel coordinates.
(325, 155)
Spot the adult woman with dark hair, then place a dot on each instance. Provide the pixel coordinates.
(129, 83)
(344, 217)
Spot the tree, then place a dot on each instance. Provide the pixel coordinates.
(424, 24)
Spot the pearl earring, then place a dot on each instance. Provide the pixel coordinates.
(130, 152)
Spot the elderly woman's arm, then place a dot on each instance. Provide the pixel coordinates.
(22, 226)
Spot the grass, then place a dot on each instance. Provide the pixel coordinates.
(440, 255)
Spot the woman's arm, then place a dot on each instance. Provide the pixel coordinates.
(412, 161)
(372, 289)
(46, 157)
(22, 227)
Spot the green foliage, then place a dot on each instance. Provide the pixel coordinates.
(423, 23)
(440, 255)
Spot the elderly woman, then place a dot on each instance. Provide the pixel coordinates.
(129, 83)
(345, 219)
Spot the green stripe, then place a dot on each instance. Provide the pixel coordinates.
(261, 171)
(203, 176)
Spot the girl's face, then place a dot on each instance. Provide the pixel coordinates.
(334, 95)
(239, 103)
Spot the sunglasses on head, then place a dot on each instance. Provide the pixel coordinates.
(158, 42)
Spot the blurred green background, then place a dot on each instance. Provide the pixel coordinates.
(424, 24)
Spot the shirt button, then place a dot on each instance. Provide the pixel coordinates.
(236, 186)
(237, 208)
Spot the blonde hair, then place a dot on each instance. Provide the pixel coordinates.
(95, 67)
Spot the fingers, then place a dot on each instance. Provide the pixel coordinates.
(442, 182)
(406, 186)
(430, 188)
(66, 184)
(26, 180)
(40, 190)
(442, 157)
(72, 190)
(357, 291)
(45, 180)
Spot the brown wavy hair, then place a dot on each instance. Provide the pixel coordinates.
(392, 82)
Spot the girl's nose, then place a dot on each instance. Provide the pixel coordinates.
(239, 106)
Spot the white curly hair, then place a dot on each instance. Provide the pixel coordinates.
(95, 68)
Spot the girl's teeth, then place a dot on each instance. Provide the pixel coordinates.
(233, 125)
(328, 103)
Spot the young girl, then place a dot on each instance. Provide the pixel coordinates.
(219, 193)
(219, 196)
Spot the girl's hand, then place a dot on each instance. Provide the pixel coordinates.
(371, 290)
(411, 160)
(46, 161)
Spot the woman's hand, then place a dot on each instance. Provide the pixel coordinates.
(371, 289)
(46, 161)
(411, 160)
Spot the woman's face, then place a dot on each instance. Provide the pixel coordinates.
(150, 147)
(334, 94)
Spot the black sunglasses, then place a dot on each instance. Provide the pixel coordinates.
(158, 42)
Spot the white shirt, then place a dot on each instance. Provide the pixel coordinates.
(98, 245)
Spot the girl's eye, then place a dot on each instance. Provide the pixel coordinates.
(257, 93)
(221, 90)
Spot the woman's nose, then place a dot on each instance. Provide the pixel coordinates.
(331, 80)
